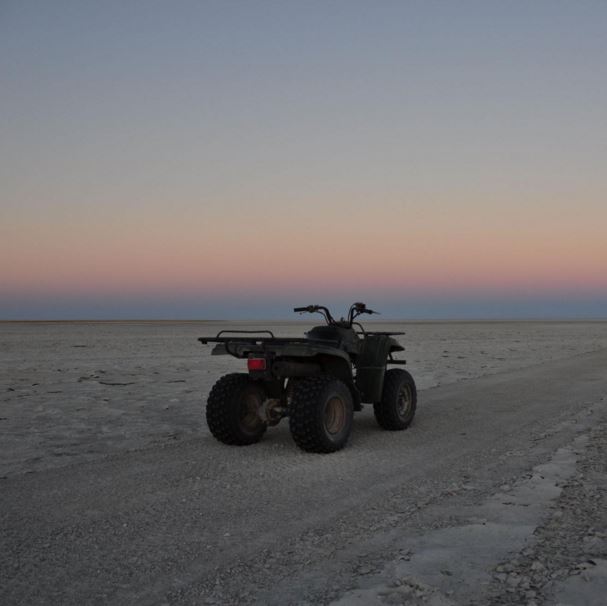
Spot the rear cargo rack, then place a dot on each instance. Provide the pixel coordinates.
(247, 332)
(271, 339)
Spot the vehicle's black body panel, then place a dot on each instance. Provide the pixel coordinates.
(317, 381)
(357, 358)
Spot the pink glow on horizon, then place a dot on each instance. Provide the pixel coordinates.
(197, 251)
(242, 271)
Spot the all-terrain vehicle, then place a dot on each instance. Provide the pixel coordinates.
(317, 382)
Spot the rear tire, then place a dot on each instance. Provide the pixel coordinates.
(398, 403)
(321, 412)
(232, 410)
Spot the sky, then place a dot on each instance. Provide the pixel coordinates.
(233, 159)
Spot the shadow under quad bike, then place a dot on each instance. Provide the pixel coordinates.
(317, 382)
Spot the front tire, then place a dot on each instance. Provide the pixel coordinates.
(232, 410)
(321, 412)
(396, 409)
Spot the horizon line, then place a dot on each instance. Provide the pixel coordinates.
(295, 321)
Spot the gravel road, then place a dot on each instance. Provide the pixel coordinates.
(463, 508)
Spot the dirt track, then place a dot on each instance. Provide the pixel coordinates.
(425, 515)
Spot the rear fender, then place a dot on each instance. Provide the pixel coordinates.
(219, 350)
(337, 367)
(341, 369)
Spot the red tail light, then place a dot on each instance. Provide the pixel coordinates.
(256, 363)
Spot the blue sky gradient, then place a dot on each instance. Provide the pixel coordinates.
(232, 159)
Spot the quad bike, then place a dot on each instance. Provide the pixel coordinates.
(317, 381)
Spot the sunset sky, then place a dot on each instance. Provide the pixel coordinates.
(229, 159)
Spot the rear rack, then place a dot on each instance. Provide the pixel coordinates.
(271, 339)
(247, 332)
(259, 341)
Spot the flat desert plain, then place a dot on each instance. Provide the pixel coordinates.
(113, 491)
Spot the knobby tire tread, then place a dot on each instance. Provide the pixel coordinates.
(303, 415)
(222, 411)
(385, 410)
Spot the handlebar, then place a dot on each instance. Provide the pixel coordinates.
(358, 309)
(355, 310)
(317, 308)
